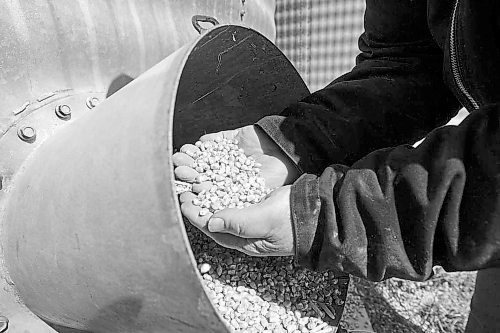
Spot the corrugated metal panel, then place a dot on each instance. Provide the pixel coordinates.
(319, 36)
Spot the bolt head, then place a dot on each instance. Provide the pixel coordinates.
(92, 102)
(63, 111)
(27, 133)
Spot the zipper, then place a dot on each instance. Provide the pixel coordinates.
(454, 60)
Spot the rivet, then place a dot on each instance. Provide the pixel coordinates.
(4, 324)
(27, 134)
(92, 102)
(63, 111)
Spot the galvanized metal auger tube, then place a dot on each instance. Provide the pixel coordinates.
(92, 234)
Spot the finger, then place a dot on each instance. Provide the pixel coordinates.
(247, 246)
(245, 223)
(190, 150)
(223, 222)
(187, 196)
(212, 137)
(219, 135)
(179, 159)
(233, 242)
(205, 186)
(186, 174)
(192, 212)
(250, 246)
(229, 241)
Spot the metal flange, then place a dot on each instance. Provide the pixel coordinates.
(35, 122)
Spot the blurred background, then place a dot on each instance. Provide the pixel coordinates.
(320, 37)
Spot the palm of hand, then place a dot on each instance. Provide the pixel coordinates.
(277, 169)
(261, 229)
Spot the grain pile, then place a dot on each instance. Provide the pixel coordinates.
(255, 294)
(258, 294)
(234, 177)
(439, 305)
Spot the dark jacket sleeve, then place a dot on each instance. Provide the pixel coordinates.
(396, 211)
(395, 94)
(399, 211)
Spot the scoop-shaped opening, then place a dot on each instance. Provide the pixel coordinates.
(93, 214)
(233, 77)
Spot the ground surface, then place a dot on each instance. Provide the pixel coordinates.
(438, 305)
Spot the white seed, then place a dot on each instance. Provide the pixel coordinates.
(204, 211)
(274, 317)
(319, 327)
(202, 178)
(252, 294)
(215, 206)
(204, 268)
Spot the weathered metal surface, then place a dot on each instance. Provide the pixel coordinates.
(49, 46)
(92, 233)
(14, 152)
(21, 319)
(238, 77)
(58, 51)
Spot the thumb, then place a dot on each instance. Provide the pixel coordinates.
(239, 222)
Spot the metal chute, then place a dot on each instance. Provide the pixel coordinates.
(92, 236)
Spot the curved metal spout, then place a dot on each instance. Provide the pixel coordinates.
(93, 237)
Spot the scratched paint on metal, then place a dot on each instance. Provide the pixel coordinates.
(58, 44)
(72, 50)
(130, 237)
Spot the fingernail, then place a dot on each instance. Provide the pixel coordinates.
(215, 224)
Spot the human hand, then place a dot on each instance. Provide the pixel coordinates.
(262, 229)
(276, 168)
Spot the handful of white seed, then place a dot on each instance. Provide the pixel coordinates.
(254, 294)
(235, 178)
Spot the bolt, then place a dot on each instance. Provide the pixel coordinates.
(63, 111)
(4, 324)
(27, 134)
(92, 102)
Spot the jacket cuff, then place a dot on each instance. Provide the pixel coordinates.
(272, 126)
(305, 207)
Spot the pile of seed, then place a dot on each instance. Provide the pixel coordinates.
(255, 294)
(234, 176)
(258, 294)
(439, 305)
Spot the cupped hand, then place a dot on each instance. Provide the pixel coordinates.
(263, 229)
(277, 169)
